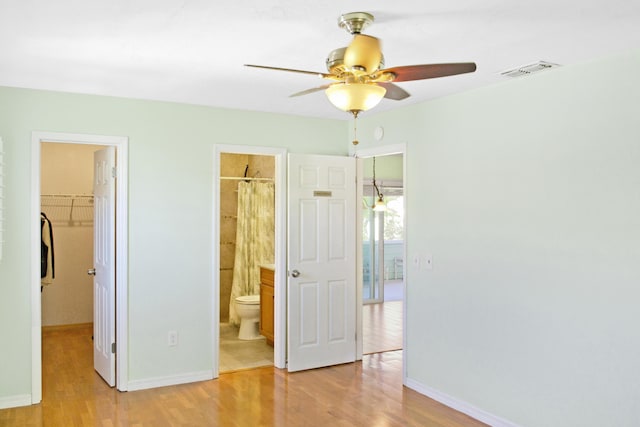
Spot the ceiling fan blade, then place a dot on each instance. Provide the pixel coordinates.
(394, 92)
(308, 91)
(314, 73)
(429, 71)
(363, 54)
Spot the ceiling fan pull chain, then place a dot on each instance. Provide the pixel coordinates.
(355, 129)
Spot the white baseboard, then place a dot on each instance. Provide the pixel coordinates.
(170, 380)
(15, 401)
(459, 405)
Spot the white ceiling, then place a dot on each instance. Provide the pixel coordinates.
(193, 51)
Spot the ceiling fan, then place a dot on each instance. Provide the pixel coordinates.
(358, 78)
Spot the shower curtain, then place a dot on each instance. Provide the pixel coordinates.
(254, 240)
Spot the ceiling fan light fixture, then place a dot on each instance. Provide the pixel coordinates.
(355, 97)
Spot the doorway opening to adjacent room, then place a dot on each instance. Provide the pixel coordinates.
(248, 288)
(383, 251)
(103, 151)
(67, 209)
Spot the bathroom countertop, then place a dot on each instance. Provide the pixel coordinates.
(268, 266)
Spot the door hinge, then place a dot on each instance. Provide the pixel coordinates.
(114, 172)
(113, 348)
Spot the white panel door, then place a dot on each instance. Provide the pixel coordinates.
(104, 360)
(321, 261)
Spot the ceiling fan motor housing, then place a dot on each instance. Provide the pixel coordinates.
(335, 61)
(355, 22)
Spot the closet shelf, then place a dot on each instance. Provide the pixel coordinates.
(68, 209)
(240, 178)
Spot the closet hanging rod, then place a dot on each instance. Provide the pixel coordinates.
(241, 178)
(69, 196)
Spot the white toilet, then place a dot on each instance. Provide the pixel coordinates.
(248, 308)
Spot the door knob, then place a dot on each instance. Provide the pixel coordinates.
(91, 272)
(295, 273)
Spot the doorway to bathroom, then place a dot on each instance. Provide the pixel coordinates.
(248, 222)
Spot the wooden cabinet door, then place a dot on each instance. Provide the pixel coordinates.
(266, 312)
(266, 304)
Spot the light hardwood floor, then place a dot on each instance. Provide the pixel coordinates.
(382, 327)
(367, 393)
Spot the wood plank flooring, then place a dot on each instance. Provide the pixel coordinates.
(382, 327)
(367, 393)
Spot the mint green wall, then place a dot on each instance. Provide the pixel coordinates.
(527, 194)
(170, 219)
(387, 167)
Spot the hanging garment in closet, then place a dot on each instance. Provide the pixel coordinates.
(47, 258)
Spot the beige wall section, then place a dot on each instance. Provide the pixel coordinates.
(233, 165)
(68, 169)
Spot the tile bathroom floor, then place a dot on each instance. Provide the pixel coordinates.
(238, 354)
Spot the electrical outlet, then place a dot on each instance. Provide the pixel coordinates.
(172, 338)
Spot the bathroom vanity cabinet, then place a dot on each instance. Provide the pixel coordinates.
(266, 303)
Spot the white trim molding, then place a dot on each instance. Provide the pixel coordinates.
(170, 380)
(459, 405)
(15, 401)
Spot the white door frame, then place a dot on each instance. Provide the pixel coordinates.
(280, 299)
(385, 150)
(121, 143)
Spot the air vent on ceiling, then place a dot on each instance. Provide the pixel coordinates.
(529, 69)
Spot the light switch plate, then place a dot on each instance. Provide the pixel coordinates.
(427, 262)
(416, 260)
